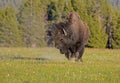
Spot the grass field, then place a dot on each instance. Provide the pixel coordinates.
(47, 65)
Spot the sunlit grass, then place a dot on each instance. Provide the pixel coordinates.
(99, 66)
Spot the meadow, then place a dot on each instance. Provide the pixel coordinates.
(47, 65)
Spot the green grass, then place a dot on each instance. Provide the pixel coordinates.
(99, 66)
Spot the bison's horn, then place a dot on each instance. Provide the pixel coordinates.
(65, 32)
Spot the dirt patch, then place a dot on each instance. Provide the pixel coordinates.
(24, 58)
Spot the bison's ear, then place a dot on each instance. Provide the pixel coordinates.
(65, 33)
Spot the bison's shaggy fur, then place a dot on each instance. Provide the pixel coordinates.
(71, 36)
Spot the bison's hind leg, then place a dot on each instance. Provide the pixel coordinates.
(79, 59)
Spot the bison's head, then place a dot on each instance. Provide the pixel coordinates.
(60, 37)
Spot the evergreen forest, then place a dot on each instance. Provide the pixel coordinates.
(26, 23)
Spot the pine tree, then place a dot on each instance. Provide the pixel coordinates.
(9, 32)
(116, 32)
(31, 18)
(98, 37)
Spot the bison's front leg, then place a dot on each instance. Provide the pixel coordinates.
(68, 54)
(79, 53)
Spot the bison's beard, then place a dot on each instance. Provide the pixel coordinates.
(63, 51)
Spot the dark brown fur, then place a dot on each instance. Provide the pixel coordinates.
(74, 42)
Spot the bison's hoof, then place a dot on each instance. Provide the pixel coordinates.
(72, 59)
(79, 60)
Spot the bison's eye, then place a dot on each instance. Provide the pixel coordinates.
(61, 39)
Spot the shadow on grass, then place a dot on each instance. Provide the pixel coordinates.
(23, 58)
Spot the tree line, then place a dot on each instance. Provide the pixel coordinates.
(29, 23)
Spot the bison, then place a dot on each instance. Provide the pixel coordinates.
(71, 36)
